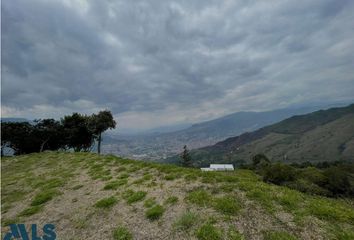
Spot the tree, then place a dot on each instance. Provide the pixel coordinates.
(78, 135)
(99, 123)
(49, 133)
(186, 158)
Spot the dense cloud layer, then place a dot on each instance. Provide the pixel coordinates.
(159, 62)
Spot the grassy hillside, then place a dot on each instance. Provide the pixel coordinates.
(326, 135)
(88, 196)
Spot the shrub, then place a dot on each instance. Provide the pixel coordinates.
(122, 233)
(278, 173)
(106, 202)
(337, 181)
(186, 221)
(155, 212)
(208, 232)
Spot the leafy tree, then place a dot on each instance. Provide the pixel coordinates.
(78, 135)
(337, 181)
(186, 158)
(258, 158)
(99, 123)
(19, 137)
(49, 133)
(279, 173)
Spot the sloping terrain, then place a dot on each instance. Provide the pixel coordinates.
(87, 196)
(159, 145)
(326, 135)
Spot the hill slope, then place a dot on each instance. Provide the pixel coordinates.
(157, 145)
(325, 135)
(87, 196)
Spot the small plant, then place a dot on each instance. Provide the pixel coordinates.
(123, 175)
(122, 233)
(227, 205)
(171, 200)
(31, 210)
(106, 202)
(186, 221)
(132, 197)
(208, 232)
(155, 212)
(113, 185)
(44, 197)
(149, 203)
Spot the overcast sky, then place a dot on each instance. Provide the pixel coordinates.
(159, 62)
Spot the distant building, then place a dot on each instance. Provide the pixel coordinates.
(219, 167)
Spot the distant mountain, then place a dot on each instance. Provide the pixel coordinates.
(325, 135)
(162, 145)
(14, 120)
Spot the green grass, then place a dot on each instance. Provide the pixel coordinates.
(150, 202)
(199, 197)
(208, 232)
(233, 234)
(186, 221)
(44, 197)
(171, 200)
(76, 187)
(226, 205)
(31, 210)
(154, 213)
(273, 235)
(106, 202)
(122, 233)
(131, 197)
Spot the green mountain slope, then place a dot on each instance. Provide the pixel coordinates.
(326, 135)
(87, 196)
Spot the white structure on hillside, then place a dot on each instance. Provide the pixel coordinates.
(219, 167)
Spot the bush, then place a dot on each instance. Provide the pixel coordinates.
(122, 233)
(208, 232)
(155, 212)
(337, 181)
(279, 173)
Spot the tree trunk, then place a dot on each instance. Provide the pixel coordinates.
(99, 144)
(42, 145)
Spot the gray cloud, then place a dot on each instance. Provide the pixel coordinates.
(173, 61)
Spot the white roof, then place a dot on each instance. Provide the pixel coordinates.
(225, 166)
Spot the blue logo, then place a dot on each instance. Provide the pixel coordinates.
(18, 231)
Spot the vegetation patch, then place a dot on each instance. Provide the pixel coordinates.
(186, 221)
(31, 210)
(226, 205)
(171, 200)
(113, 185)
(106, 202)
(122, 233)
(208, 232)
(199, 197)
(150, 202)
(131, 197)
(44, 197)
(154, 213)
